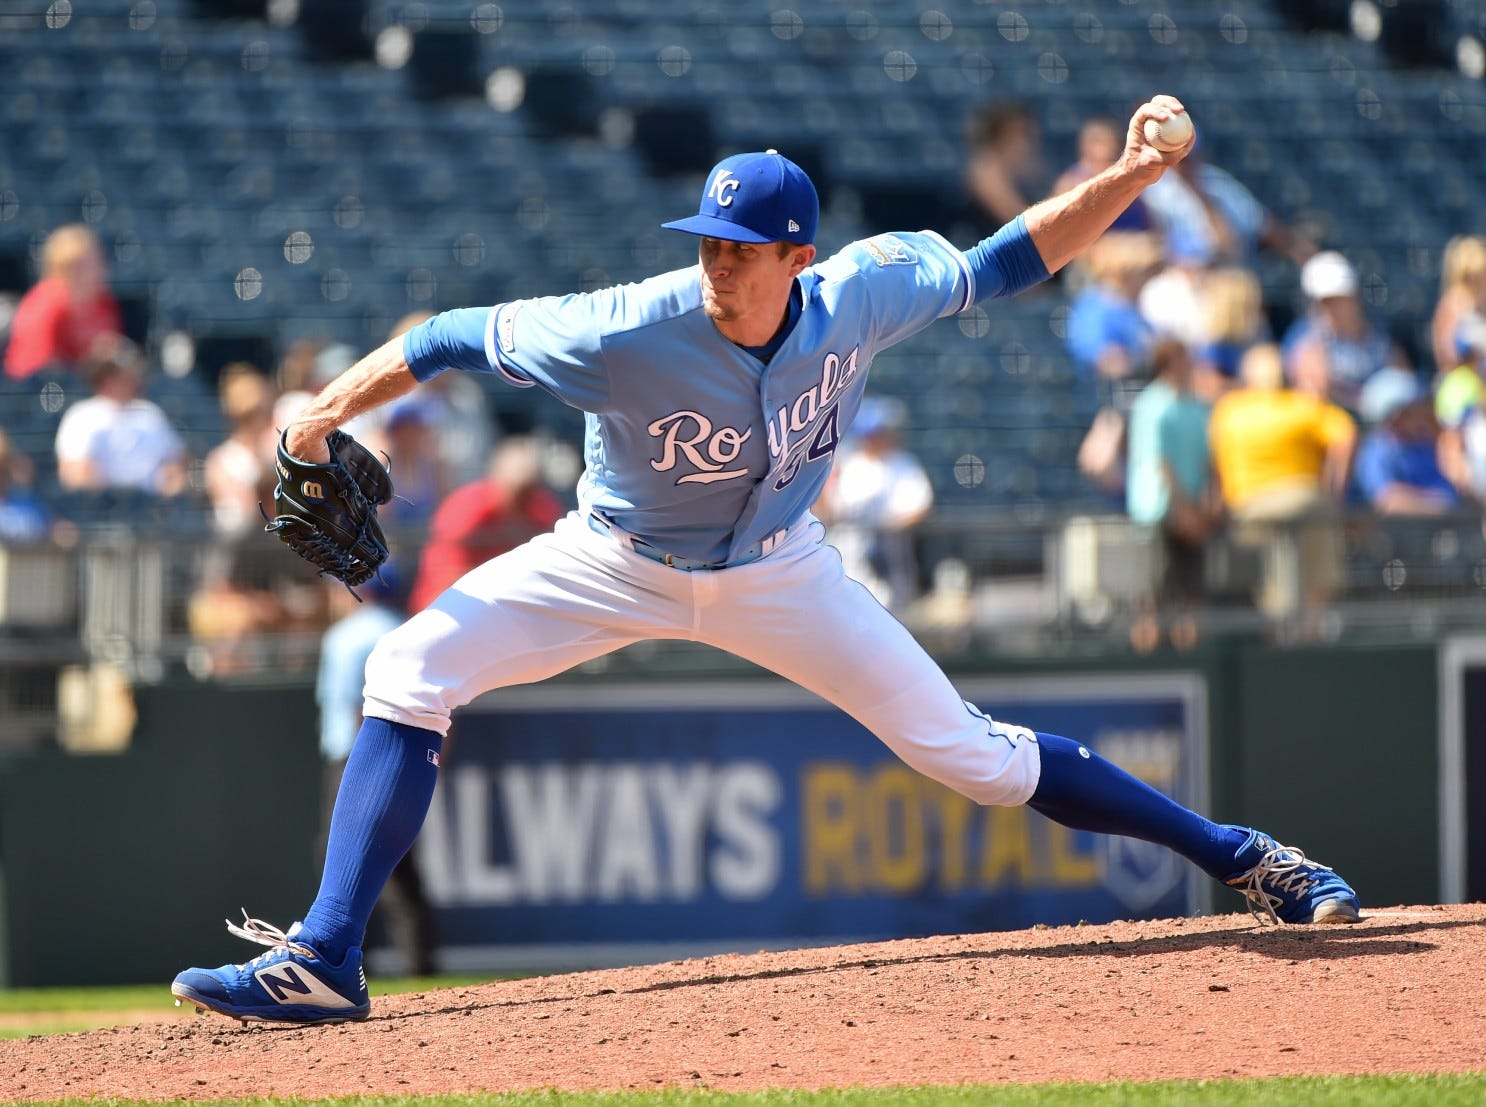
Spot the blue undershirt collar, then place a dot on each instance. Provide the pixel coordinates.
(765, 352)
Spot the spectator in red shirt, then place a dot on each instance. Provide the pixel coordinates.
(485, 519)
(61, 319)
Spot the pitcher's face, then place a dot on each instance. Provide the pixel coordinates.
(742, 279)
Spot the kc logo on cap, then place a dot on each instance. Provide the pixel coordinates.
(723, 185)
(761, 197)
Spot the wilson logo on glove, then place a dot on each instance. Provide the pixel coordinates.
(327, 512)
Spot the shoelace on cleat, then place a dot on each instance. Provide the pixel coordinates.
(266, 934)
(1282, 867)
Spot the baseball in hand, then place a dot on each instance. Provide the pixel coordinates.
(1171, 134)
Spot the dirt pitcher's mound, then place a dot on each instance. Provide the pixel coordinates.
(1206, 997)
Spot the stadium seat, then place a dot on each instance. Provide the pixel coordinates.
(213, 136)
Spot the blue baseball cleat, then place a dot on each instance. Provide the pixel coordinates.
(290, 983)
(1283, 885)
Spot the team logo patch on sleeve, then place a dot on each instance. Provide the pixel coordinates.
(888, 249)
(505, 327)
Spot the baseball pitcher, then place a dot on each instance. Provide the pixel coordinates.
(715, 398)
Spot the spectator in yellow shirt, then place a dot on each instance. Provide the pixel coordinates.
(1282, 456)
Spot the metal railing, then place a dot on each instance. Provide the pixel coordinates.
(131, 605)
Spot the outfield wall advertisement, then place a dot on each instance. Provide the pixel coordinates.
(610, 824)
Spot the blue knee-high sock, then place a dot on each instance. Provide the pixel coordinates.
(1082, 790)
(383, 798)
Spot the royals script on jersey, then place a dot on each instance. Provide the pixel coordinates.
(693, 443)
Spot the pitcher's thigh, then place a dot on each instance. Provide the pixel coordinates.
(514, 620)
(841, 644)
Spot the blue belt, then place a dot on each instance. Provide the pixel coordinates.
(599, 524)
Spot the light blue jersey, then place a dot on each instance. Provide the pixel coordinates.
(692, 443)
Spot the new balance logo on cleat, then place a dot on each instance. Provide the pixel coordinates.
(291, 984)
(289, 981)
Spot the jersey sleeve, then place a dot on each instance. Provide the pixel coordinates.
(1007, 263)
(555, 342)
(912, 280)
(450, 340)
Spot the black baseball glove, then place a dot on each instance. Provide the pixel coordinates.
(327, 512)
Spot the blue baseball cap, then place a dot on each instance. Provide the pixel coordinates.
(756, 198)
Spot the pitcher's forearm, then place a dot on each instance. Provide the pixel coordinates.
(1063, 226)
(377, 379)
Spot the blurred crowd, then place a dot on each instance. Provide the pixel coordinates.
(1220, 411)
(467, 489)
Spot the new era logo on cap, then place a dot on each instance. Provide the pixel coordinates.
(761, 197)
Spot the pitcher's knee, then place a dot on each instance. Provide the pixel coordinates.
(398, 687)
(999, 769)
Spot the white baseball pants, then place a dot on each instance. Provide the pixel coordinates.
(575, 594)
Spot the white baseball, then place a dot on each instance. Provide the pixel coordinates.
(1169, 134)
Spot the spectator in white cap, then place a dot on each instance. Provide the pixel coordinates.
(1398, 470)
(1335, 348)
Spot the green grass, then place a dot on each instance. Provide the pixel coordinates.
(28, 1000)
(28, 1011)
(1321, 1091)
